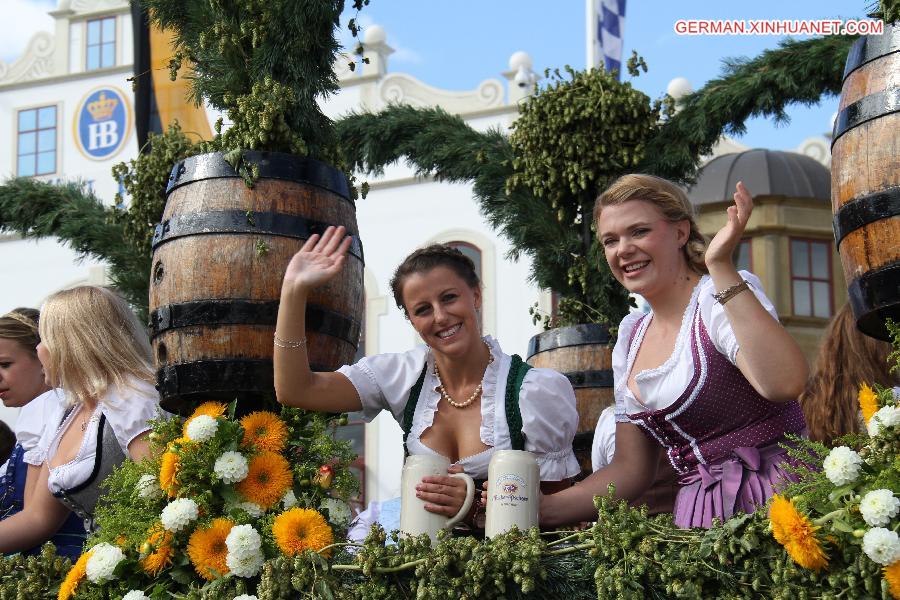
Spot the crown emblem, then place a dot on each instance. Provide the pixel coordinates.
(103, 107)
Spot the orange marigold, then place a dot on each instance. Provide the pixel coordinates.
(892, 576)
(168, 472)
(212, 409)
(868, 402)
(264, 430)
(159, 550)
(268, 479)
(300, 529)
(793, 530)
(74, 577)
(207, 549)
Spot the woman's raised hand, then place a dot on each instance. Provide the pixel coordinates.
(319, 260)
(721, 248)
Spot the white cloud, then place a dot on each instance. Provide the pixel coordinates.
(24, 19)
(402, 54)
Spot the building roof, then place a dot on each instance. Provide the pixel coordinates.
(765, 173)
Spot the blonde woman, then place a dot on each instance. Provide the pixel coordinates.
(93, 347)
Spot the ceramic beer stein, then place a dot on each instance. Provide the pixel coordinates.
(513, 496)
(414, 519)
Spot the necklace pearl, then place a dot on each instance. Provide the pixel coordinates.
(475, 393)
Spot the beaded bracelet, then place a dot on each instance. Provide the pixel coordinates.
(288, 343)
(730, 292)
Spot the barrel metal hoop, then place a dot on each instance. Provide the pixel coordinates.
(874, 292)
(218, 376)
(865, 210)
(272, 165)
(865, 109)
(869, 48)
(245, 312)
(576, 335)
(602, 378)
(249, 222)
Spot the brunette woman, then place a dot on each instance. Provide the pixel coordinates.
(709, 374)
(458, 395)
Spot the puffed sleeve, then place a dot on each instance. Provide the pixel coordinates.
(129, 411)
(604, 446)
(549, 422)
(34, 417)
(54, 414)
(716, 320)
(383, 381)
(620, 362)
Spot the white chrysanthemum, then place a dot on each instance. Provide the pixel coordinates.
(135, 595)
(178, 514)
(842, 465)
(201, 428)
(243, 541)
(886, 416)
(253, 509)
(245, 597)
(102, 563)
(148, 487)
(338, 511)
(231, 467)
(244, 566)
(289, 500)
(882, 545)
(879, 507)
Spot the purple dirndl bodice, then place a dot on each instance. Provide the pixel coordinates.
(721, 436)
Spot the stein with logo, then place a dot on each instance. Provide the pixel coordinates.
(513, 496)
(414, 519)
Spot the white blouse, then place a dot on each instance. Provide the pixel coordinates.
(31, 421)
(660, 387)
(546, 401)
(127, 410)
(604, 445)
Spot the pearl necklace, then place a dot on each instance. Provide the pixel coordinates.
(475, 393)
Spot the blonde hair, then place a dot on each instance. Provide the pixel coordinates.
(670, 199)
(21, 325)
(94, 341)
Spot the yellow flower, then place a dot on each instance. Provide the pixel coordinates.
(793, 530)
(892, 576)
(212, 409)
(264, 430)
(207, 549)
(74, 577)
(159, 550)
(868, 402)
(268, 479)
(300, 529)
(168, 472)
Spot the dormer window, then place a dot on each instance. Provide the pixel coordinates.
(101, 43)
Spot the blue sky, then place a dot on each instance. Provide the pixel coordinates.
(456, 45)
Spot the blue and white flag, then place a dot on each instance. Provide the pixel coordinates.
(606, 25)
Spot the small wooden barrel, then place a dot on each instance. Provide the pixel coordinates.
(219, 256)
(583, 354)
(865, 180)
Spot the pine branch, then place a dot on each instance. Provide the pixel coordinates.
(797, 72)
(37, 209)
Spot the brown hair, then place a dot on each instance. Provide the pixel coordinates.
(94, 341)
(846, 359)
(668, 198)
(21, 325)
(429, 257)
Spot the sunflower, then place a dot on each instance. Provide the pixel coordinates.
(268, 479)
(892, 576)
(74, 577)
(159, 550)
(793, 530)
(212, 409)
(868, 402)
(207, 549)
(300, 529)
(168, 470)
(264, 430)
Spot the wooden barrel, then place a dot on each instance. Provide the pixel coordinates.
(219, 256)
(865, 180)
(583, 354)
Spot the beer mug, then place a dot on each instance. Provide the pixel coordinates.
(414, 519)
(513, 496)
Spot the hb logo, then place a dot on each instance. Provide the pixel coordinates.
(102, 123)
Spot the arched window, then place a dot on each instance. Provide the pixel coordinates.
(471, 251)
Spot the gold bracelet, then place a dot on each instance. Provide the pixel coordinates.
(288, 343)
(730, 292)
